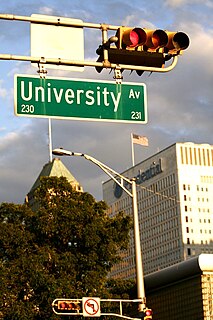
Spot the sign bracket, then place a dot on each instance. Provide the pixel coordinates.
(118, 75)
(42, 68)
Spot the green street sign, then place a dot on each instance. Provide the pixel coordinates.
(79, 99)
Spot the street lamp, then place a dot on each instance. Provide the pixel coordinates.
(119, 179)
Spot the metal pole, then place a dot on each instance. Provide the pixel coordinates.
(65, 62)
(132, 147)
(50, 139)
(138, 256)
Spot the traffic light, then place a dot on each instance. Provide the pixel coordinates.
(177, 41)
(151, 40)
(131, 38)
(147, 314)
(143, 47)
(68, 305)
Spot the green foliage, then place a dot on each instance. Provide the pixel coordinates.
(64, 249)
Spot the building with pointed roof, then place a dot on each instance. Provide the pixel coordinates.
(55, 168)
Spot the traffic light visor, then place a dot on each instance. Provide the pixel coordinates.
(177, 41)
(134, 37)
(130, 37)
(148, 314)
(155, 38)
(68, 305)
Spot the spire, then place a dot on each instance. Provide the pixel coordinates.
(54, 168)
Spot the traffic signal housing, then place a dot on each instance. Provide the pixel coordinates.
(143, 47)
(142, 39)
(147, 314)
(68, 305)
(177, 41)
(151, 40)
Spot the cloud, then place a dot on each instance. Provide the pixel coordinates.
(3, 91)
(179, 102)
(18, 170)
(46, 11)
(179, 3)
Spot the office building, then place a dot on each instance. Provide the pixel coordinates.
(175, 207)
(183, 291)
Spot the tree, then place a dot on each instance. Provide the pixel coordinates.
(63, 249)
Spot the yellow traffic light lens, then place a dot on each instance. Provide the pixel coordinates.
(156, 40)
(159, 38)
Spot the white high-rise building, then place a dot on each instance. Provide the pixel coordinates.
(175, 207)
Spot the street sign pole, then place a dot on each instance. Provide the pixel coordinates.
(80, 99)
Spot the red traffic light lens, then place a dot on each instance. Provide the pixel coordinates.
(62, 305)
(148, 312)
(137, 37)
(68, 305)
(134, 38)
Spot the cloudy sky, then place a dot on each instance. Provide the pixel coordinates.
(180, 103)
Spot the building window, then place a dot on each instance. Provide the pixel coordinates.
(181, 152)
(208, 157)
(195, 156)
(186, 155)
(199, 155)
(189, 251)
(204, 157)
(190, 155)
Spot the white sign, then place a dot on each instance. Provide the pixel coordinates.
(91, 307)
(55, 41)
